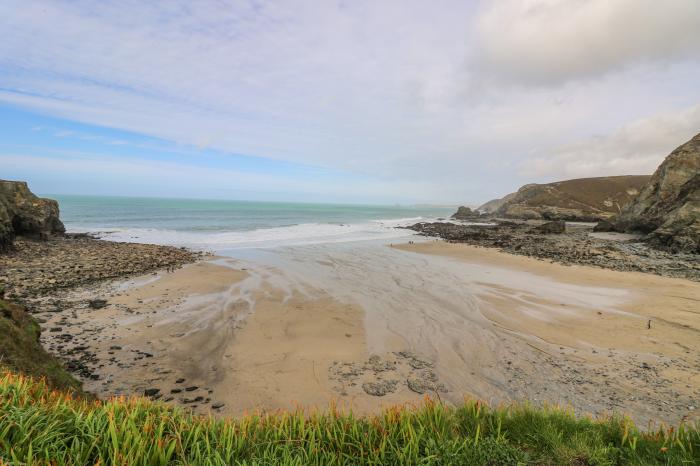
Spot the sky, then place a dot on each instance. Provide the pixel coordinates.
(362, 101)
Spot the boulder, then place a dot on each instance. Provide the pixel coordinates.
(604, 226)
(668, 207)
(464, 213)
(555, 227)
(23, 213)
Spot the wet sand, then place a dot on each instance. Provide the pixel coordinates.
(645, 346)
(369, 325)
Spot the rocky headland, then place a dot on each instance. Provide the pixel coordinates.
(583, 200)
(667, 210)
(24, 214)
(645, 224)
(39, 263)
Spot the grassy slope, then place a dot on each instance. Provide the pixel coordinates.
(20, 349)
(38, 426)
(584, 193)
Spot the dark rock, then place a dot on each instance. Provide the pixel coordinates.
(464, 213)
(575, 246)
(604, 226)
(176, 390)
(668, 208)
(555, 227)
(218, 405)
(151, 392)
(191, 389)
(24, 214)
(180, 380)
(97, 303)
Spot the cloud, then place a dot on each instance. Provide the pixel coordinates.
(547, 42)
(635, 149)
(380, 90)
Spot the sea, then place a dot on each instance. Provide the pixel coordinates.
(225, 224)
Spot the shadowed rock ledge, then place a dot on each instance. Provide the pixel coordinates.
(668, 208)
(24, 214)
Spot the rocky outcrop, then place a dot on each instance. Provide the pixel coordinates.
(23, 213)
(584, 199)
(556, 227)
(493, 205)
(575, 245)
(464, 213)
(668, 207)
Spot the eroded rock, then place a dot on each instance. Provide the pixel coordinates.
(23, 213)
(668, 207)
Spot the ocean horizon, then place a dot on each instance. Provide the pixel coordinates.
(216, 224)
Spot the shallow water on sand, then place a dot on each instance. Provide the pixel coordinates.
(433, 306)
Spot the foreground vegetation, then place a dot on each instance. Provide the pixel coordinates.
(21, 350)
(39, 425)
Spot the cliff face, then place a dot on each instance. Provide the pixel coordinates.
(23, 213)
(585, 199)
(668, 207)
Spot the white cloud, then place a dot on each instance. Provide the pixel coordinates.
(554, 41)
(384, 90)
(635, 149)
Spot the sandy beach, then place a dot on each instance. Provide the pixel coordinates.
(372, 325)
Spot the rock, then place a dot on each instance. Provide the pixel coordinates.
(464, 213)
(218, 405)
(604, 226)
(575, 246)
(555, 227)
(191, 389)
(151, 392)
(493, 205)
(24, 214)
(97, 303)
(380, 388)
(421, 385)
(584, 199)
(668, 207)
(176, 390)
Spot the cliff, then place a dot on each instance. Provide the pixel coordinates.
(23, 213)
(668, 207)
(584, 199)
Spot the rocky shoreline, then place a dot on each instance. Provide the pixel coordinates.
(577, 244)
(35, 269)
(46, 277)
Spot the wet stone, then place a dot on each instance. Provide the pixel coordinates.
(380, 388)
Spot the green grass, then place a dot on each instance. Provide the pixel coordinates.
(40, 425)
(21, 350)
